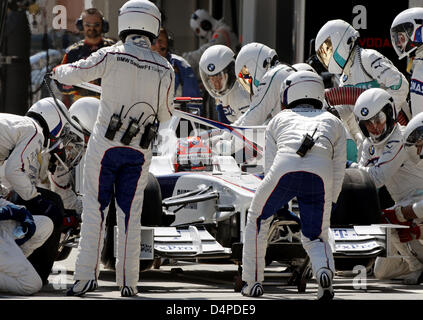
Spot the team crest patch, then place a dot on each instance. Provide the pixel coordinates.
(211, 67)
(372, 150)
(364, 112)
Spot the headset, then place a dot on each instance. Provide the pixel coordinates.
(104, 22)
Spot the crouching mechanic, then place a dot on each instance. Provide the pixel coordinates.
(20, 234)
(29, 145)
(62, 181)
(389, 164)
(305, 158)
(137, 93)
(408, 212)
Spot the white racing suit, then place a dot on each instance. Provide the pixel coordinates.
(17, 275)
(266, 102)
(416, 83)
(389, 164)
(136, 83)
(221, 35)
(367, 69)
(370, 69)
(315, 179)
(233, 105)
(62, 183)
(21, 142)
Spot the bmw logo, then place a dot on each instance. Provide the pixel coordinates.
(364, 112)
(211, 67)
(372, 150)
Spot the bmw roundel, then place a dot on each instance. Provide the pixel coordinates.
(364, 112)
(211, 67)
(372, 150)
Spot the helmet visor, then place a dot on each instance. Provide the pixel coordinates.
(75, 148)
(415, 137)
(401, 39)
(245, 79)
(375, 126)
(325, 52)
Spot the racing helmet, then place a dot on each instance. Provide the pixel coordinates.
(84, 112)
(302, 87)
(406, 31)
(202, 23)
(302, 66)
(193, 155)
(334, 44)
(251, 64)
(413, 133)
(54, 124)
(375, 113)
(139, 17)
(217, 70)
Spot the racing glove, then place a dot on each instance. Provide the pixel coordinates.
(22, 215)
(351, 164)
(393, 216)
(28, 227)
(14, 212)
(412, 233)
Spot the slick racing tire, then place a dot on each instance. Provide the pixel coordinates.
(151, 216)
(358, 202)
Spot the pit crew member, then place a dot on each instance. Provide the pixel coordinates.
(305, 158)
(137, 94)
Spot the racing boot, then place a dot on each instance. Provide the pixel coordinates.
(80, 287)
(253, 290)
(128, 291)
(324, 280)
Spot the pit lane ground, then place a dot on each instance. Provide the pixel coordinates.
(192, 281)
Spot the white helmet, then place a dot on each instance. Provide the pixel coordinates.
(414, 131)
(139, 16)
(252, 62)
(375, 109)
(84, 112)
(406, 31)
(334, 44)
(217, 70)
(46, 113)
(302, 66)
(302, 87)
(202, 23)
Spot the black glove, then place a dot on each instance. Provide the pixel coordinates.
(14, 212)
(21, 214)
(29, 228)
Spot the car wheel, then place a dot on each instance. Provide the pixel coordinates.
(358, 202)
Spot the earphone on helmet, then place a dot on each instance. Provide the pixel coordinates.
(104, 22)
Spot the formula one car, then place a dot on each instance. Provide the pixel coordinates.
(197, 198)
(202, 197)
